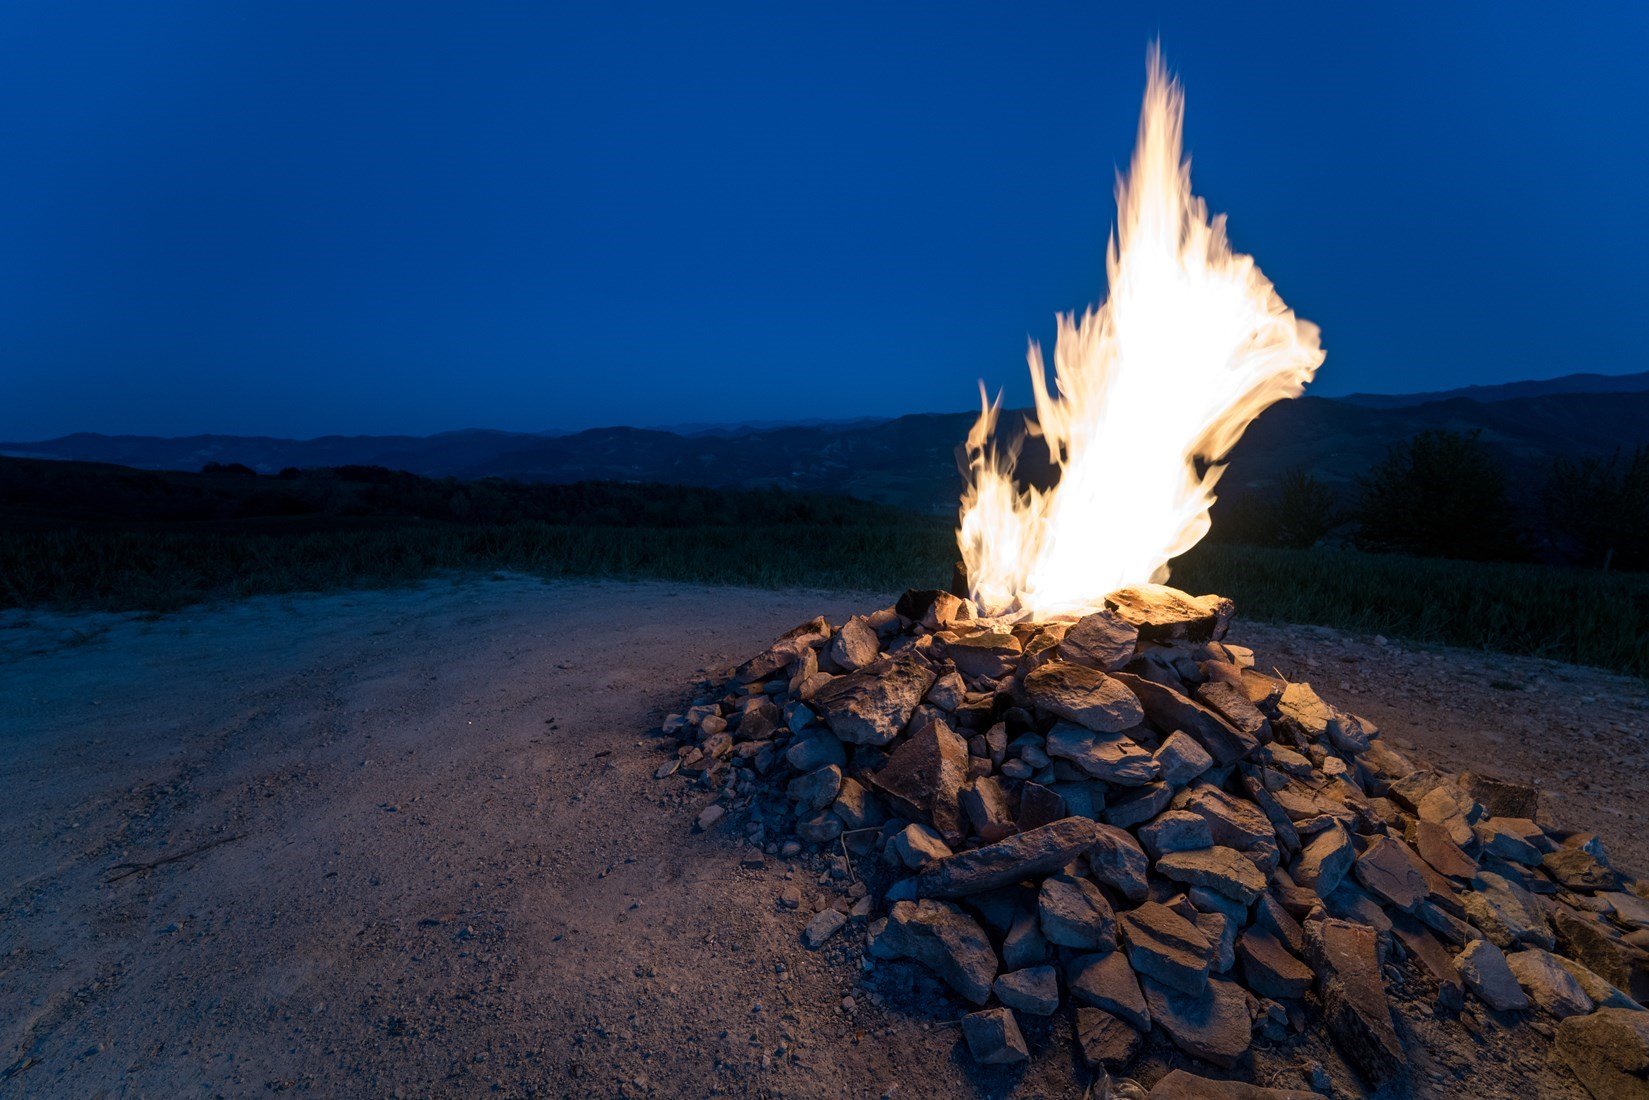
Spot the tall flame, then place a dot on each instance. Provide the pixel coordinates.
(1154, 387)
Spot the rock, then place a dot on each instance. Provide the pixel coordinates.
(1231, 821)
(1601, 949)
(1179, 1085)
(916, 845)
(1163, 945)
(1269, 970)
(1505, 913)
(1353, 994)
(1138, 804)
(1176, 831)
(1441, 806)
(1484, 968)
(1108, 756)
(817, 789)
(1389, 871)
(1212, 1025)
(1608, 1051)
(986, 805)
(1325, 861)
(1034, 990)
(1603, 994)
(1108, 982)
(1109, 1045)
(826, 923)
(1039, 806)
(1024, 855)
(1116, 860)
(1501, 798)
(1232, 704)
(1220, 929)
(923, 778)
(1578, 869)
(857, 807)
(915, 603)
(1168, 711)
(709, 816)
(1101, 641)
(1307, 713)
(1024, 945)
(993, 1037)
(1628, 908)
(1224, 870)
(1161, 613)
(821, 829)
(947, 691)
(855, 645)
(1509, 838)
(944, 939)
(1434, 958)
(1073, 913)
(1181, 759)
(1441, 852)
(872, 706)
(1548, 983)
(1085, 696)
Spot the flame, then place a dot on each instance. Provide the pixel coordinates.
(1154, 387)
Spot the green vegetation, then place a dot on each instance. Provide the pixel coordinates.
(1441, 494)
(227, 535)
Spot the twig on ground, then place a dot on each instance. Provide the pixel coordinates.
(126, 870)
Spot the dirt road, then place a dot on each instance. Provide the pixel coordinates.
(408, 843)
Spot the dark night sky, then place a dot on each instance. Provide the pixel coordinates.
(299, 218)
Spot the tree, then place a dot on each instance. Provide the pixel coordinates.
(1305, 510)
(1599, 509)
(1441, 494)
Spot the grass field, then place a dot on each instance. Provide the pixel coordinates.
(783, 540)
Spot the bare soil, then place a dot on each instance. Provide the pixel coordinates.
(408, 843)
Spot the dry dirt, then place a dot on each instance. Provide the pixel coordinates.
(407, 843)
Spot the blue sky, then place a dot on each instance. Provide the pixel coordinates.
(302, 218)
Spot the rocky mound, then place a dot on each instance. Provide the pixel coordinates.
(1121, 818)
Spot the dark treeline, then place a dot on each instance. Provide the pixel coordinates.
(1442, 494)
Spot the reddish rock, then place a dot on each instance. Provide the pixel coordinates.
(1389, 871)
(1108, 982)
(1608, 1051)
(1165, 946)
(872, 706)
(986, 804)
(1269, 970)
(1161, 613)
(924, 776)
(1233, 704)
(1101, 640)
(1168, 710)
(994, 1038)
(1085, 696)
(1354, 998)
(1212, 1025)
(944, 939)
(1024, 855)
(1441, 852)
(1109, 1045)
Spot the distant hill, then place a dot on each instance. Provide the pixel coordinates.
(1544, 387)
(911, 461)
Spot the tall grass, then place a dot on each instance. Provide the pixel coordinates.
(1585, 617)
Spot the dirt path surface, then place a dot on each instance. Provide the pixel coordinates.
(407, 843)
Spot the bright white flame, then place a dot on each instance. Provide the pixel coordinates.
(1154, 387)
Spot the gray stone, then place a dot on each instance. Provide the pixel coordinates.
(1484, 968)
(855, 645)
(1108, 756)
(822, 828)
(1161, 613)
(815, 750)
(1034, 990)
(917, 845)
(856, 806)
(1085, 696)
(1439, 850)
(1024, 945)
(1233, 822)
(1168, 710)
(1608, 1051)
(1109, 1045)
(1268, 968)
(817, 789)
(1232, 704)
(1137, 804)
(944, 939)
(986, 804)
(1548, 983)
(984, 654)
(1108, 982)
(1181, 759)
(1163, 945)
(947, 691)
(826, 923)
(1101, 640)
(1224, 870)
(1505, 913)
(1024, 855)
(1116, 860)
(1073, 913)
(1325, 861)
(1389, 871)
(1509, 838)
(1353, 994)
(1212, 1024)
(993, 1037)
(1175, 831)
(923, 778)
(1437, 960)
(872, 706)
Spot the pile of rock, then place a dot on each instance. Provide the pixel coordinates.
(1121, 814)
